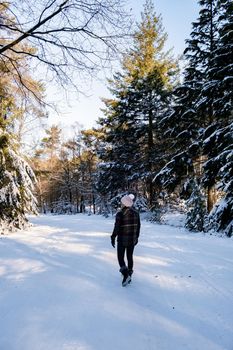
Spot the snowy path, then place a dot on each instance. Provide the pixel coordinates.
(60, 289)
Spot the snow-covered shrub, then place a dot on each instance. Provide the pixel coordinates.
(197, 212)
(63, 206)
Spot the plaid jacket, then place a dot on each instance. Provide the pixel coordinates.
(127, 227)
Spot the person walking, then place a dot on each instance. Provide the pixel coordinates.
(127, 230)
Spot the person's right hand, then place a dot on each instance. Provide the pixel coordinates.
(113, 242)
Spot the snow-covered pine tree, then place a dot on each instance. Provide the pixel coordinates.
(141, 97)
(197, 214)
(216, 92)
(218, 137)
(189, 116)
(153, 73)
(119, 149)
(218, 171)
(20, 95)
(16, 184)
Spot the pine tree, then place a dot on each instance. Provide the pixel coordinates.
(119, 149)
(217, 87)
(197, 213)
(219, 173)
(16, 184)
(142, 96)
(199, 127)
(16, 176)
(192, 111)
(218, 138)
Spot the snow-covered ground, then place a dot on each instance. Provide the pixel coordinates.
(60, 289)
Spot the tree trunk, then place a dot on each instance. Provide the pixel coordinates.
(210, 198)
(93, 201)
(149, 156)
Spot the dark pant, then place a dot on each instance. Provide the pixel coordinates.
(121, 254)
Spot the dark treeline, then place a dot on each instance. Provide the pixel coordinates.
(172, 141)
(165, 135)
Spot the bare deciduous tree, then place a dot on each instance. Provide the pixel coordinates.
(71, 37)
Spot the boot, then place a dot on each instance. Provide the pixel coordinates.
(126, 277)
(130, 272)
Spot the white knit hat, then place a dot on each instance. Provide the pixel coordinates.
(127, 200)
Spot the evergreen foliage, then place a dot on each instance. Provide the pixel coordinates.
(16, 176)
(202, 109)
(197, 213)
(133, 142)
(218, 171)
(16, 185)
(184, 125)
(218, 137)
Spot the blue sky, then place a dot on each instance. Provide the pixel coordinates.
(177, 16)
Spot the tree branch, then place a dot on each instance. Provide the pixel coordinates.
(30, 31)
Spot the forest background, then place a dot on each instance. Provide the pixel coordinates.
(165, 133)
